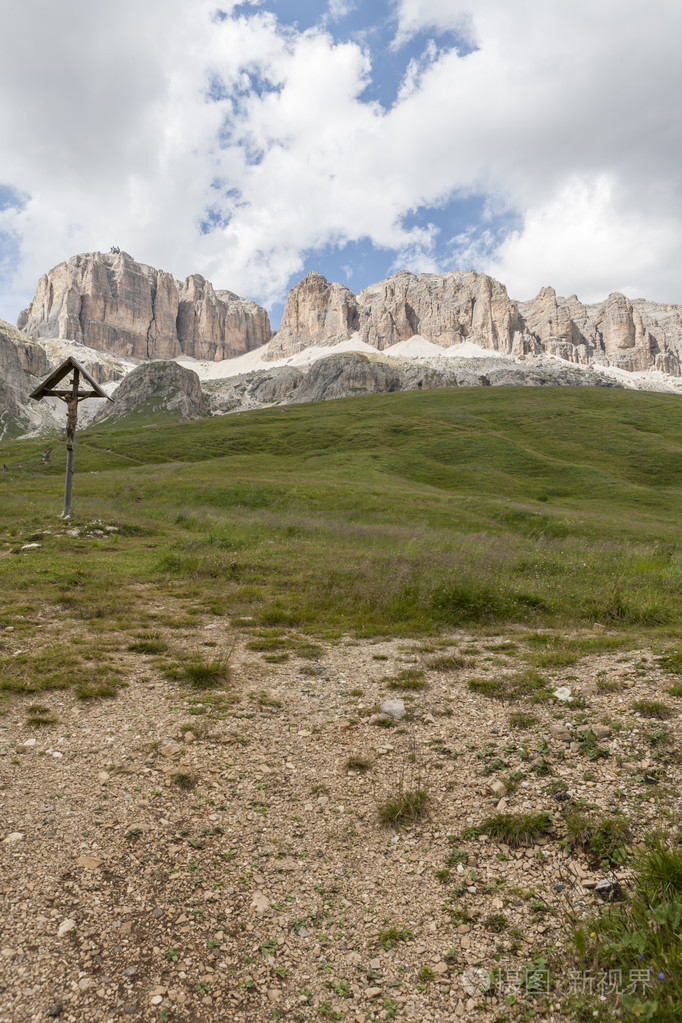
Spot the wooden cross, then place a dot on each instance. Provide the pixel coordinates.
(71, 397)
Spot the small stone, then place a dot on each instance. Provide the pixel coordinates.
(14, 838)
(372, 992)
(441, 968)
(88, 862)
(260, 903)
(560, 732)
(429, 719)
(158, 913)
(65, 927)
(55, 1009)
(378, 719)
(323, 800)
(563, 694)
(85, 983)
(609, 890)
(103, 777)
(31, 546)
(497, 787)
(394, 708)
(601, 731)
(170, 749)
(156, 1000)
(20, 748)
(650, 779)
(274, 994)
(375, 964)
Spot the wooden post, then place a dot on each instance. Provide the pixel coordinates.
(71, 397)
(71, 420)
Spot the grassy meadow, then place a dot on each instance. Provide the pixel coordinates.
(529, 514)
(401, 513)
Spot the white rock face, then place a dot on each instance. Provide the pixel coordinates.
(472, 309)
(111, 303)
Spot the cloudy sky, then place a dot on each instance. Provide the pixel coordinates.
(537, 140)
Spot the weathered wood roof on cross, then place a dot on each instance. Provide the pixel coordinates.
(47, 388)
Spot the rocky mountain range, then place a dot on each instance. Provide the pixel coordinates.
(110, 303)
(448, 309)
(433, 330)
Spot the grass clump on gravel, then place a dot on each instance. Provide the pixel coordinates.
(38, 715)
(516, 829)
(605, 841)
(201, 672)
(405, 805)
(671, 660)
(148, 643)
(390, 936)
(185, 780)
(408, 678)
(357, 763)
(519, 719)
(449, 662)
(653, 709)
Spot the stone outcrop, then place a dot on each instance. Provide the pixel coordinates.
(114, 304)
(157, 387)
(450, 308)
(353, 373)
(22, 364)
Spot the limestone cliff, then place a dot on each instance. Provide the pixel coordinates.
(22, 363)
(114, 304)
(450, 308)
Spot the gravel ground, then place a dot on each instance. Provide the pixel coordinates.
(229, 866)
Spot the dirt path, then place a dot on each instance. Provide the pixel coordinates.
(239, 871)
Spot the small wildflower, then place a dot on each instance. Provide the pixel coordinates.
(593, 934)
(661, 976)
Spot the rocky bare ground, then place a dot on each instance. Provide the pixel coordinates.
(232, 865)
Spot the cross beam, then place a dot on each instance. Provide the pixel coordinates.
(71, 397)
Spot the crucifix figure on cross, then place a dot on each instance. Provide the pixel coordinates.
(71, 397)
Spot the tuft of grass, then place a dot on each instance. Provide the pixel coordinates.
(519, 719)
(356, 763)
(408, 678)
(604, 840)
(609, 685)
(517, 829)
(405, 805)
(675, 690)
(653, 709)
(493, 687)
(148, 643)
(185, 780)
(38, 715)
(201, 672)
(671, 660)
(449, 662)
(496, 922)
(390, 936)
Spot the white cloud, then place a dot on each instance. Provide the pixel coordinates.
(566, 114)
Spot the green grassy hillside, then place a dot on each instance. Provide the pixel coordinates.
(401, 512)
